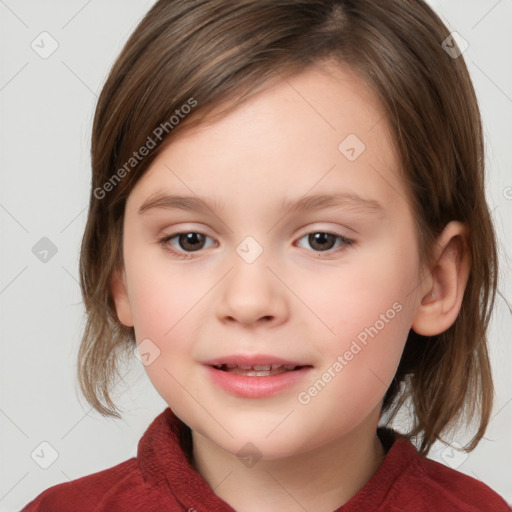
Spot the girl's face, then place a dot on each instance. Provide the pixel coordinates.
(331, 285)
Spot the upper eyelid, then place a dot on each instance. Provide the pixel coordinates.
(319, 230)
(204, 229)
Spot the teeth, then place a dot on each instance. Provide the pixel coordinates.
(259, 374)
(264, 369)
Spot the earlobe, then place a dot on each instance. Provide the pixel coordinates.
(120, 296)
(441, 298)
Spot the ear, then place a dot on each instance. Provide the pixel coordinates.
(442, 294)
(120, 296)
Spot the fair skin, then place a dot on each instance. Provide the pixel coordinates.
(298, 300)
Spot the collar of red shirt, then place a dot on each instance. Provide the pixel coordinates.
(164, 456)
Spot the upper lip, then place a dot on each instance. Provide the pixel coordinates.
(253, 360)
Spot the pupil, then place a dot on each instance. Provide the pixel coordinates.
(193, 240)
(319, 240)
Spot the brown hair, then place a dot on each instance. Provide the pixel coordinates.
(218, 53)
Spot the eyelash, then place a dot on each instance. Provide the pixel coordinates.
(347, 242)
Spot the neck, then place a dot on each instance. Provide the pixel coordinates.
(322, 479)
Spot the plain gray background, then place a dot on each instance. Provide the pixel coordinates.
(47, 103)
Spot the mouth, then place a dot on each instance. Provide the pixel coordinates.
(256, 375)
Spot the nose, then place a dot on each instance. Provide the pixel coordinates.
(251, 295)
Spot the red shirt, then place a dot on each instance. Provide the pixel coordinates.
(161, 478)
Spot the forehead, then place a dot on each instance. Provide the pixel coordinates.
(312, 131)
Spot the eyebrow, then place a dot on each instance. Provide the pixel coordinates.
(347, 200)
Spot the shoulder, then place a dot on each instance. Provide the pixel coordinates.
(428, 483)
(139, 483)
(92, 491)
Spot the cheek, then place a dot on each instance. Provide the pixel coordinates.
(358, 365)
(368, 310)
(167, 310)
(165, 316)
(161, 296)
(366, 292)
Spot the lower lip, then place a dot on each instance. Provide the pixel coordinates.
(256, 387)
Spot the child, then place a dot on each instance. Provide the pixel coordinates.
(231, 141)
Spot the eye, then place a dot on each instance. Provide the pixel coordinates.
(185, 244)
(321, 241)
(189, 242)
